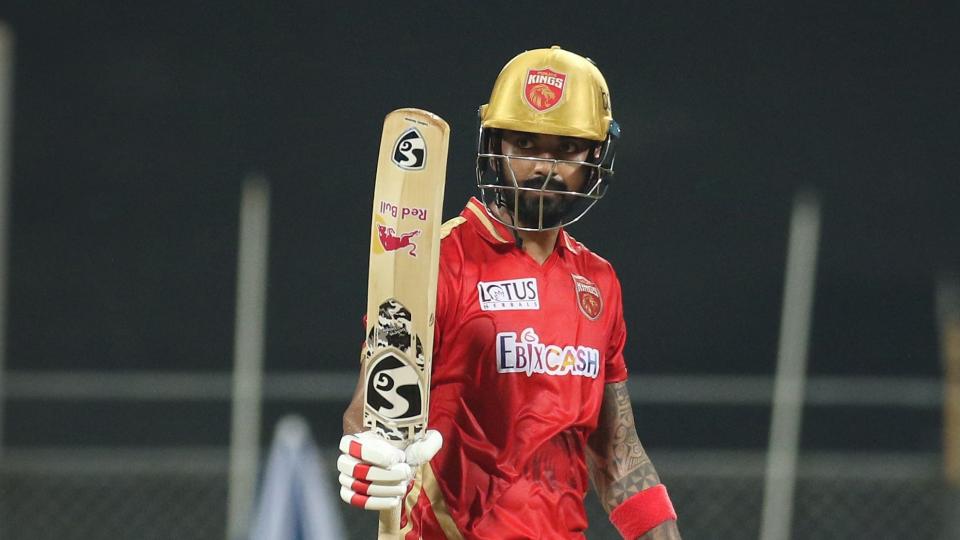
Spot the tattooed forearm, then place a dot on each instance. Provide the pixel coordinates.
(619, 465)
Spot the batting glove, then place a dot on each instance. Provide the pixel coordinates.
(374, 474)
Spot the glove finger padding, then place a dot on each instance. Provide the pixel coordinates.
(370, 487)
(422, 450)
(368, 502)
(374, 474)
(360, 470)
(362, 487)
(369, 447)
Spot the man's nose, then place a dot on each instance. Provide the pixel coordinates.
(544, 166)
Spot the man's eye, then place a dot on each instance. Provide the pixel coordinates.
(524, 143)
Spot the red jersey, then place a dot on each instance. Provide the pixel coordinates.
(521, 356)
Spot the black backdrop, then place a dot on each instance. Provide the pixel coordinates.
(134, 127)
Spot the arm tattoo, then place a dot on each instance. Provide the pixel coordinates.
(620, 466)
(618, 463)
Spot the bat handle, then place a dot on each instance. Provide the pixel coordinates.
(389, 528)
(389, 525)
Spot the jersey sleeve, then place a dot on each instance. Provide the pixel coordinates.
(446, 295)
(448, 288)
(615, 367)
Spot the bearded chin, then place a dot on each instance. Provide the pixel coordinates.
(554, 207)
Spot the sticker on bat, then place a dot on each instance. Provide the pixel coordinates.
(410, 151)
(403, 212)
(394, 392)
(390, 240)
(394, 328)
(393, 388)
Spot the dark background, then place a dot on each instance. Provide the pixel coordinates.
(134, 125)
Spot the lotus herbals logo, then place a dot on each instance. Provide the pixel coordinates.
(543, 88)
(508, 295)
(588, 297)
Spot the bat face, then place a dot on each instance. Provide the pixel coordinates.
(404, 260)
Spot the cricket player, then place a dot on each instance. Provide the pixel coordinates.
(528, 395)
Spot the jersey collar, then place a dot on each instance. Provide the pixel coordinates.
(497, 233)
(491, 230)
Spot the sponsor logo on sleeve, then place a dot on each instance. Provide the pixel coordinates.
(588, 297)
(526, 354)
(511, 294)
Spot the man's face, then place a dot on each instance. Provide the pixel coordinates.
(544, 174)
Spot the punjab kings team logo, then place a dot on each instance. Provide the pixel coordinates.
(410, 151)
(543, 88)
(588, 297)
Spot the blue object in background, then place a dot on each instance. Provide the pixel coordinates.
(295, 501)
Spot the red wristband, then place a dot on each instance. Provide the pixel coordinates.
(643, 511)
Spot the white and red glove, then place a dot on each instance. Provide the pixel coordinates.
(374, 474)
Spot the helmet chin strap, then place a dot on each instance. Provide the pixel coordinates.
(500, 199)
(502, 205)
(512, 210)
(516, 236)
(501, 208)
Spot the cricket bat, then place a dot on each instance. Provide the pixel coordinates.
(402, 285)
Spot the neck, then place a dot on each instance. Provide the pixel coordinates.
(537, 244)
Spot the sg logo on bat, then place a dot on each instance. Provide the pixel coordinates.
(410, 151)
(393, 388)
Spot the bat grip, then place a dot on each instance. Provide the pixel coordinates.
(389, 528)
(389, 525)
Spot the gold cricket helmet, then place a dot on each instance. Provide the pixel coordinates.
(552, 92)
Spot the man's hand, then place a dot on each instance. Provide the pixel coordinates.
(374, 474)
